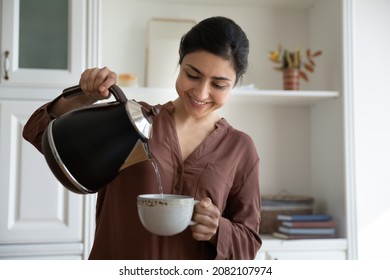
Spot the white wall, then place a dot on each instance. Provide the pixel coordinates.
(124, 36)
(372, 127)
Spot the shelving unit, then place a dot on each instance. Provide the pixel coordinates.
(326, 249)
(281, 97)
(299, 134)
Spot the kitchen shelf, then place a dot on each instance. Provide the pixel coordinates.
(304, 249)
(245, 96)
(271, 243)
(282, 97)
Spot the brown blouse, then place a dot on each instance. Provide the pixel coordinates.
(225, 167)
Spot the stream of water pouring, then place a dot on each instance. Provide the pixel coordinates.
(157, 171)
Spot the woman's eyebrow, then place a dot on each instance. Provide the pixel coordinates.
(200, 73)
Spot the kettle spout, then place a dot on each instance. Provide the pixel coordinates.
(139, 153)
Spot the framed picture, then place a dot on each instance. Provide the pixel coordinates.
(162, 54)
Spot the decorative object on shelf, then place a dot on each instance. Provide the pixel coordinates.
(291, 63)
(127, 80)
(283, 203)
(291, 79)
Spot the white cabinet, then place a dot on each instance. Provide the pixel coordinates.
(38, 217)
(306, 255)
(43, 48)
(42, 42)
(321, 249)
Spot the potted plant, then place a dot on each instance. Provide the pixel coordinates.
(293, 65)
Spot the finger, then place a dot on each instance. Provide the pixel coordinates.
(206, 207)
(95, 82)
(206, 220)
(201, 232)
(87, 80)
(203, 205)
(108, 78)
(102, 80)
(91, 81)
(205, 202)
(208, 217)
(200, 236)
(84, 80)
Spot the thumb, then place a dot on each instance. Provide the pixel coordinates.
(205, 202)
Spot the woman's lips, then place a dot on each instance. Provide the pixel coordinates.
(197, 103)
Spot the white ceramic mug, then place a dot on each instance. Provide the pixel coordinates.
(165, 214)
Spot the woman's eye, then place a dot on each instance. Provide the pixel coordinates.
(217, 86)
(192, 77)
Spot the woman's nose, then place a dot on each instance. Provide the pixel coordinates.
(203, 91)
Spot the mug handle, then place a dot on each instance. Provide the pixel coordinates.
(192, 223)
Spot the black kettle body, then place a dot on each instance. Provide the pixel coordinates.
(87, 147)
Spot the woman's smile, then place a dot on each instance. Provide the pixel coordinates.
(198, 103)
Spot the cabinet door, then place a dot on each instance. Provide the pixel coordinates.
(42, 41)
(34, 207)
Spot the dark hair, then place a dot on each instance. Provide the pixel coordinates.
(220, 36)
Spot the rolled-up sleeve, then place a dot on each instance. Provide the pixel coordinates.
(36, 125)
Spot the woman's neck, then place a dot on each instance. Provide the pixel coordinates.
(182, 118)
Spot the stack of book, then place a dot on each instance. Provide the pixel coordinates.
(272, 205)
(305, 226)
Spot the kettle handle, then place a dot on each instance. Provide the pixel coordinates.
(76, 90)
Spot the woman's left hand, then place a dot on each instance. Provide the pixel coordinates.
(206, 216)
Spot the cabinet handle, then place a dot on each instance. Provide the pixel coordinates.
(6, 65)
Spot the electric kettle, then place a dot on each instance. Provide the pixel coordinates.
(86, 148)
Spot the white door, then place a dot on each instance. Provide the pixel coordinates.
(34, 207)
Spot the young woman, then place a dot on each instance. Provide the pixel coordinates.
(198, 153)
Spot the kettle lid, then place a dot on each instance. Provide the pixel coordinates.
(140, 118)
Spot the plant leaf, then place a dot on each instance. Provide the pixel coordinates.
(296, 59)
(274, 56)
(317, 53)
(303, 75)
(280, 48)
(309, 67)
(308, 53)
(288, 59)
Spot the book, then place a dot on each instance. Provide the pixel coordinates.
(304, 217)
(312, 231)
(301, 236)
(310, 224)
(285, 202)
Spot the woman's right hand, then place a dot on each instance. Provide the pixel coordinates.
(95, 82)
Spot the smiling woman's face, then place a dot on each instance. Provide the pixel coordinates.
(204, 83)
